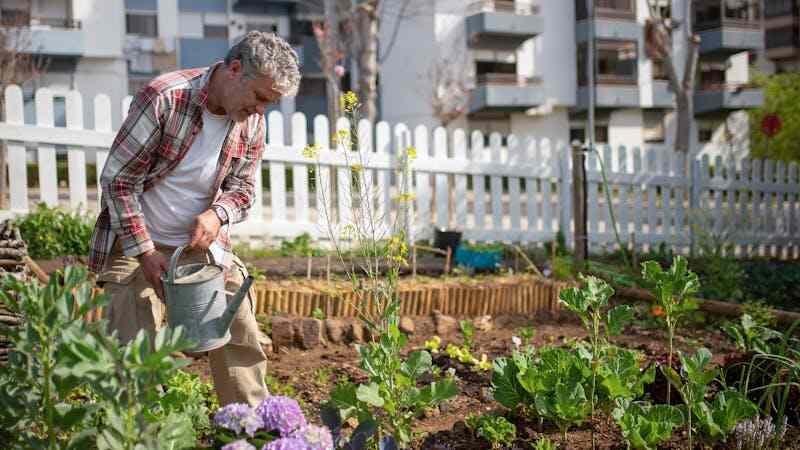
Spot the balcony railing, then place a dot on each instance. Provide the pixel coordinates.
(713, 14)
(524, 8)
(725, 87)
(55, 22)
(507, 79)
(780, 8)
(609, 9)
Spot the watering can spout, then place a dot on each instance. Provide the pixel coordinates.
(227, 318)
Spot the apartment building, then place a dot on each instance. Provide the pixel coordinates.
(526, 63)
(782, 35)
(164, 35)
(80, 45)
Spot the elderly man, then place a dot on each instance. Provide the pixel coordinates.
(180, 172)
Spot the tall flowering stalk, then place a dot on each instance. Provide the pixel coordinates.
(385, 406)
(378, 236)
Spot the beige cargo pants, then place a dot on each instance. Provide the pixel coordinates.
(238, 368)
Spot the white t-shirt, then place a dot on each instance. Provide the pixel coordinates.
(171, 205)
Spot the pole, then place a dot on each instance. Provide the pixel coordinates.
(579, 203)
(591, 68)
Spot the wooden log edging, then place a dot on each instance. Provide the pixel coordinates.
(517, 294)
(728, 309)
(492, 296)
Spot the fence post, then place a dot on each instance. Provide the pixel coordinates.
(695, 190)
(560, 161)
(579, 203)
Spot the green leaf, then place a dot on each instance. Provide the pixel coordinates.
(504, 383)
(729, 408)
(617, 318)
(370, 394)
(418, 362)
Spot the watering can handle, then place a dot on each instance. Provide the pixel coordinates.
(173, 262)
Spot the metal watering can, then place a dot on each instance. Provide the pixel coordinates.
(196, 298)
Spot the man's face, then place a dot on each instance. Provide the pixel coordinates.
(246, 96)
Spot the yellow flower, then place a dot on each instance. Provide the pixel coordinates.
(342, 137)
(484, 363)
(412, 152)
(348, 101)
(357, 168)
(405, 197)
(311, 151)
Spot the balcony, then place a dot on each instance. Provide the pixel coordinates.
(725, 30)
(614, 19)
(721, 99)
(502, 25)
(48, 35)
(782, 43)
(610, 94)
(505, 93)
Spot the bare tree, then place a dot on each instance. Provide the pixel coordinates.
(331, 54)
(450, 88)
(364, 49)
(659, 33)
(17, 65)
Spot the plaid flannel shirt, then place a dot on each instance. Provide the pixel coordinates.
(161, 125)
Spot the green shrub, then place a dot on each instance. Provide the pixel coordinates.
(496, 430)
(53, 232)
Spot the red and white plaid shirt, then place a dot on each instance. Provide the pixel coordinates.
(161, 125)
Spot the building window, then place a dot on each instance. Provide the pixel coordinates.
(14, 17)
(653, 126)
(136, 82)
(264, 27)
(142, 24)
(777, 8)
(215, 31)
(616, 62)
(312, 87)
(601, 134)
(660, 70)
(705, 134)
(622, 9)
(712, 76)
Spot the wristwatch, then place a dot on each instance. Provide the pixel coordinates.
(223, 216)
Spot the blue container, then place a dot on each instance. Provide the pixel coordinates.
(479, 259)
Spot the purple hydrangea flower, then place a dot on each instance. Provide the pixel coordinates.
(241, 444)
(281, 413)
(286, 443)
(316, 438)
(237, 417)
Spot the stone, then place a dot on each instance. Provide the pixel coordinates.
(310, 332)
(265, 341)
(483, 323)
(335, 330)
(355, 332)
(407, 325)
(445, 325)
(283, 333)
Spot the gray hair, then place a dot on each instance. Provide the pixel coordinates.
(263, 53)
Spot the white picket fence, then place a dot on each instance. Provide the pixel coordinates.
(520, 192)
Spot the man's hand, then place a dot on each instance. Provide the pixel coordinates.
(154, 264)
(206, 229)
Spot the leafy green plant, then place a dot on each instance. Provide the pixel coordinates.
(549, 384)
(35, 384)
(391, 399)
(673, 289)
(645, 426)
(543, 444)
(467, 332)
(715, 419)
(589, 303)
(749, 336)
(760, 312)
(620, 376)
(299, 246)
(495, 429)
(53, 232)
(318, 313)
(186, 394)
(58, 355)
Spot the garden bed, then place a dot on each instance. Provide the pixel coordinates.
(310, 375)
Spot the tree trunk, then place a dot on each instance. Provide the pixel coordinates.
(683, 110)
(366, 18)
(329, 50)
(3, 178)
